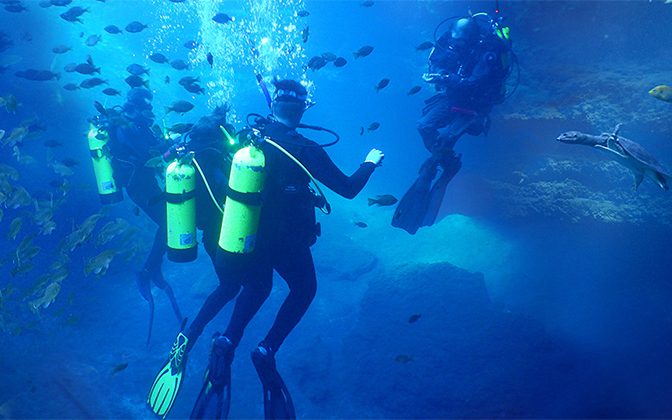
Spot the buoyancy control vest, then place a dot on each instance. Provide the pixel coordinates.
(288, 213)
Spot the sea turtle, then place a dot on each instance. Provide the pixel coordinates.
(626, 152)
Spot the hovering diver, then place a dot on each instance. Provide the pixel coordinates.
(279, 239)
(468, 67)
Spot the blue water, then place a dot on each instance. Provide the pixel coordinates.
(544, 290)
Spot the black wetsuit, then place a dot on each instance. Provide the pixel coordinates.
(287, 229)
(130, 146)
(474, 83)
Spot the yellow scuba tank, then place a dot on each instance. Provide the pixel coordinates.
(243, 201)
(181, 210)
(102, 166)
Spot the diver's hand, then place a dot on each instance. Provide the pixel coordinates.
(375, 156)
(432, 77)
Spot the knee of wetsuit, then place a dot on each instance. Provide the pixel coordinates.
(428, 135)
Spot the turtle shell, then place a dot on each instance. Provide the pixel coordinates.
(638, 152)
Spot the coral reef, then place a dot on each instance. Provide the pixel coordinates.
(580, 191)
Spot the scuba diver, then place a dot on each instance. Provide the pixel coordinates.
(287, 229)
(468, 67)
(131, 143)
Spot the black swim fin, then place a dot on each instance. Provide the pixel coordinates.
(412, 208)
(162, 284)
(277, 401)
(449, 168)
(214, 400)
(144, 283)
(421, 204)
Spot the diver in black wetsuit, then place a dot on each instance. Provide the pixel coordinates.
(132, 143)
(468, 67)
(287, 229)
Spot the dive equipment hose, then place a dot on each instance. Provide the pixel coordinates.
(326, 209)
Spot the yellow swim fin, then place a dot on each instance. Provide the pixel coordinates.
(167, 382)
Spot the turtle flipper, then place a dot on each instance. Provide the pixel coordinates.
(662, 180)
(610, 150)
(614, 135)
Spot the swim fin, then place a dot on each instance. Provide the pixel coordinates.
(214, 400)
(412, 208)
(167, 382)
(277, 401)
(449, 168)
(421, 204)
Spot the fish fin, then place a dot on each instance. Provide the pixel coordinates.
(639, 177)
(372, 201)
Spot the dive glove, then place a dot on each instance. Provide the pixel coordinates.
(375, 156)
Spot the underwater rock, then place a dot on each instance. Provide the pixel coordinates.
(466, 357)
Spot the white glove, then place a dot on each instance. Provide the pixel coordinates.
(432, 77)
(375, 156)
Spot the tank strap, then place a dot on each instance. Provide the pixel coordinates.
(251, 198)
(96, 153)
(174, 198)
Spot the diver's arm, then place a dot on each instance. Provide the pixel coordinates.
(325, 171)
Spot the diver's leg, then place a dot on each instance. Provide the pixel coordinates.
(436, 114)
(295, 265)
(256, 289)
(446, 161)
(449, 164)
(229, 276)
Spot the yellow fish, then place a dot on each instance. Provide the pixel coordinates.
(100, 263)
(20, 198)
(46, 299)
(10, 172)
(14, 228)
(110, 230)
(662, 92)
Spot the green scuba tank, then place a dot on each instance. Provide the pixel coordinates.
(242, 207)
(102, 166)
(181, 210)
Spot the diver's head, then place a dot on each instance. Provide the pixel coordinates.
(140, 97)
(289, 102)
(138, 106)
(206, 133)
(464, 31)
